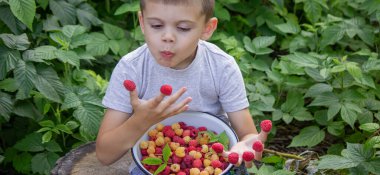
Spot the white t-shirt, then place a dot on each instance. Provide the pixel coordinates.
(213, 81)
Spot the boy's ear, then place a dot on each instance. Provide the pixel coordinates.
(209, 29)
(141, 21)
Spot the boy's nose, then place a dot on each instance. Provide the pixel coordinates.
(168, 37)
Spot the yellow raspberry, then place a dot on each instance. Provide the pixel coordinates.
(176, 126)
(160, 134)
(173, 146)
(144, 145)
(151, 143)
(209, 169)
(204, 140)
(178, 132)
(204, 173)
(167, 140)
(160, 141)
(175, 167)
(204, 149)
(194, 171)
(187, 139)
(206, 162)
(214, 157)
(151, 150)
(180, 152)
(159, 126)
(152, 133)
(218, 171)
(197, 155)
(192, 153)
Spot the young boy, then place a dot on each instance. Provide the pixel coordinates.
(203, 77)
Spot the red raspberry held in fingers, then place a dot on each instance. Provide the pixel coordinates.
(217, 147)
(166, 89)
(248, 156)
(266, 125)
(258, 146)
(233, 158)
(129, 85)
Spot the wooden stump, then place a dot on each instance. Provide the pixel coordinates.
(83, 161)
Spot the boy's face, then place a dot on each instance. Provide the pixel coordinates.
(172, 32)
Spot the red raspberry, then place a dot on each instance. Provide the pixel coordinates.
(217, 147)
(258, 146)
(248, 156)
(181, 173)
(129, 85)
(216, 164)
(166, 89)
(202, 128)
(169, 133)
(233, 158)
(193, 143)
(266, 125)
(197, 163)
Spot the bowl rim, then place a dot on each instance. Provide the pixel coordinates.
(139, 165)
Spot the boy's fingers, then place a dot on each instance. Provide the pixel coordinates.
(173, 98)
(258, 155)
(263, 136)
(248, 164)
(134, 97)
(157, 100)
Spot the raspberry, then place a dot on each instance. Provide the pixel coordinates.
(233, 158)
(166, 89)
(202, 128)
(197, 163)
(216, 164)
(248, 156)
(217, 147)
(258, 146)
(193, 143)
(266, 125)
(129, 85)
(181, 173)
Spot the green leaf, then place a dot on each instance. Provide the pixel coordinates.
(348, 115)
(370, 127)
(8, 60)
(6, 105)
(64, 128)
(294, 99)
(318, 89)
(336, 162)
(152, 161)
(357, 152)
(303, 60)
(373, 165)
(128, 7)
(47, 123)
(354, 70)
(42, 163)
(288, 28)
(71, 31)
(31, 142)
(87, 16)
(333, 110)
(113, 32)
(69, 56)
(27, 109)
(166, 152)
(40, 54)
(17, 42)
(25, 74)
(47, 137)
(336, 128)
(90, 117)
(22, 162)
(48, 83)
(61, 39)
(309, 136)
(64, 11)
(99, 44)
(10, 20)
(160, 168)
(313, 10)
(263, 41)
(9, 85)
(331, 35)
(24, 10)
(72, 124)
(325, 99)
(52, 146)
(224, 140)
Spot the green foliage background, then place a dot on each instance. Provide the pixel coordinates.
(313, 64)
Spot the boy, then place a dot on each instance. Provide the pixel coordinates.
(175, 53)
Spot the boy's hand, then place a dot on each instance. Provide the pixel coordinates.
(251, 143)
(158, 108)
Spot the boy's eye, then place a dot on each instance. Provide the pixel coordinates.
(183, 29)
(157, 26)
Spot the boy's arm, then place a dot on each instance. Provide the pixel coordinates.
(242, 123)
(119, 131)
